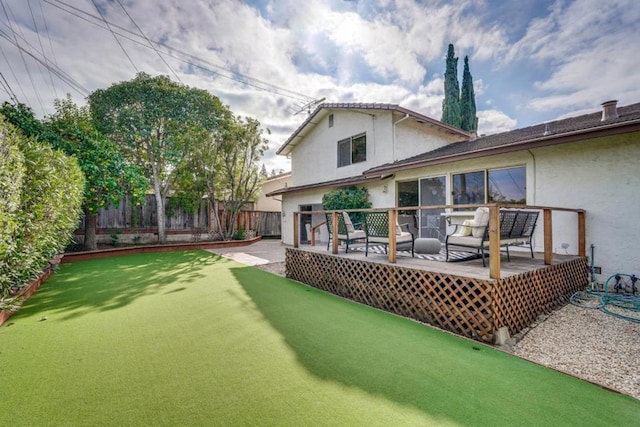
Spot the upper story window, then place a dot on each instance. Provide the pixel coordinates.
(352, 150)
(330, 120)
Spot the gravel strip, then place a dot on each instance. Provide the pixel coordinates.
(582, 342)
(586, 343)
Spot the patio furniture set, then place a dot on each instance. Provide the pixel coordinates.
(516, 229)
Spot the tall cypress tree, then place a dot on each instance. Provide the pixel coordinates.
(451, 104)
(469, 120)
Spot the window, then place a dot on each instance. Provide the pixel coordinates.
(330, 120)
(506, 185)
(468, 188)
(352, 150)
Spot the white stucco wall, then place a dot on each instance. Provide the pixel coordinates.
(315, 159)
(272, 204)
(602, 176)
(413, 138)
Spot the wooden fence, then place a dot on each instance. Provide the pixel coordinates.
(130, 218)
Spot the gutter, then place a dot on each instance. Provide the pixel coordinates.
(599, 132)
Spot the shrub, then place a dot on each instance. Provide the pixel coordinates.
(41, 213)
(239, 234)
(346, 199)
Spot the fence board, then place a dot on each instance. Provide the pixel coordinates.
(130, 217)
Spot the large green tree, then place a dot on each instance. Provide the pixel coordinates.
(451, 104)
(108, 176)
(155, 121)
(242, 146)
(225, 167)
(469, 120)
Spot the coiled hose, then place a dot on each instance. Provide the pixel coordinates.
(619, 298)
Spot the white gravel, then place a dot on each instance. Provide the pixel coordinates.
(586, 343)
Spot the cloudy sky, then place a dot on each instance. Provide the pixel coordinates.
(531, 60)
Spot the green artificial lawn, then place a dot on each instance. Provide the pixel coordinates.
(189, 338)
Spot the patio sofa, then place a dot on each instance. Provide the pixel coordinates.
(516, 229)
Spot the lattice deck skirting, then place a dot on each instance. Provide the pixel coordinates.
(473, 308)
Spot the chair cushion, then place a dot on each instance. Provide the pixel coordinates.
(348, 223)
(464, 229)
(465, 240)
(480, 220)
(357, 234)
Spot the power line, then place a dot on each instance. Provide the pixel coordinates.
(114, 36)
(238, 77)
(46, 28)
(15, 78)
(59, 73)
(7, 88)
(35, 26)
(24, 61)
(149, 41)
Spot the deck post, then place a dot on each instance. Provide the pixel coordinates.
(296, 222)
(494, 242)
(313, 236)
(582, 241)
(548, 237)
(334, 232)
(393, 217)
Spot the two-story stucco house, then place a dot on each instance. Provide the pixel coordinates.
(404, 158)
(338, 142)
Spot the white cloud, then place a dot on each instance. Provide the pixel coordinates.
(575, 56)
(494, 121)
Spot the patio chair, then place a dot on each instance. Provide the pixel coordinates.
(347, 231)
(377, 231)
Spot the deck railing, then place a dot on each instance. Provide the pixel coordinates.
(494, 228)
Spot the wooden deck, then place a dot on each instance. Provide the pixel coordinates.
(521, 261)
(457, 296)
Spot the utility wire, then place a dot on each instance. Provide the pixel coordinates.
(238, 77)
(114, 36)
(46, 28)
(35, 26)
(55, 69)
(24, 61)
(7, 87)
(15, 77)
(150, 44)
(61, 74)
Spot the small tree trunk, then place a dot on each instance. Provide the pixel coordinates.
(90, 240)
(162, 238)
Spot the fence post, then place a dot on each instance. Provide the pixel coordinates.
(393, 218)
(494, 242)
(334, 232)
(582, 241)
(295, 229)
(548, 237)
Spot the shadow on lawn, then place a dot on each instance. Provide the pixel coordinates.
(110, 283)
(405, 362)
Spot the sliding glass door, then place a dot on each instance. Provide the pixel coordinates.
(433, 193)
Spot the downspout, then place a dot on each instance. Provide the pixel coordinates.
(406, 116)
(535, 172)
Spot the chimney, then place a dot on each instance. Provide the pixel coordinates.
(609, 110)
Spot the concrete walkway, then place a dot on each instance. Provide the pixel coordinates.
(260, 253)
